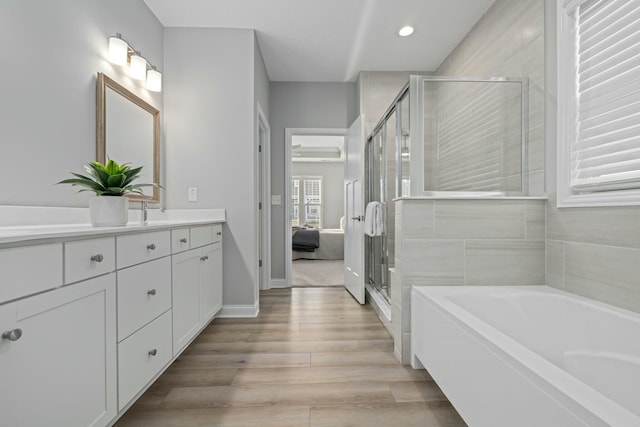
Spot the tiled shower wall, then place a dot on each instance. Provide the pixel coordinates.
(473, 136)
(509, 41)
(378, 89)
(476, 242)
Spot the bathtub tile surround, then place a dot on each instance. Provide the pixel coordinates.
(504, 262)
(595, 252)
(464, 242)
(478, 219)
(608, 274)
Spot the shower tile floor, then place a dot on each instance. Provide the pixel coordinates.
(313, 357)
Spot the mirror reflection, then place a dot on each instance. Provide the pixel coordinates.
(128, 131)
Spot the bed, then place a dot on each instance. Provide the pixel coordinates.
(330, 246)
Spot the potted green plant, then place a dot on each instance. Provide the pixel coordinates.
(110, 182)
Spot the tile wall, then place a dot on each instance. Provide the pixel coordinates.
(509, 41)
(463, 242)
(595, 252)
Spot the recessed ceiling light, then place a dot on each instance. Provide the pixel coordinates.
(405, 31)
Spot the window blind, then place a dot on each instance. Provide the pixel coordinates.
(312, 188)
(606, 152)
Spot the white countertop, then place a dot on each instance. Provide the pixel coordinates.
(157, 220)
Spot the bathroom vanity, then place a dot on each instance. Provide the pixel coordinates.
(90, 317)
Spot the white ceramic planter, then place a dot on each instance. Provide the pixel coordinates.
(109, 211)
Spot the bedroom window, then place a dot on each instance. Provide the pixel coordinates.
(306, 201)
(598, 102)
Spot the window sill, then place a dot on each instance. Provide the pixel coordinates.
(605, 198)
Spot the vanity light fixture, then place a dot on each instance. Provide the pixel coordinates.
(137, 67)
(405, 31)
(154, 80)
(118, 50)
(121, 52)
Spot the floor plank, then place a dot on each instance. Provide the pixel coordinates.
(312, 357)
(275, 416)
(330, 374)
(423, 414)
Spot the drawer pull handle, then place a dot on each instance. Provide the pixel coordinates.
(97, 258)
(219, 233)
(204, 258)
(12, 335)
(151, 292)
(153, 352)
(151, 246)
(183, 240)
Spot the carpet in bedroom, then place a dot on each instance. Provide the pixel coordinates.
(317, 273)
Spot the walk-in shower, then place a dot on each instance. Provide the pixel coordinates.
(443, 137)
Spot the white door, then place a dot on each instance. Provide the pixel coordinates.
(354, 210)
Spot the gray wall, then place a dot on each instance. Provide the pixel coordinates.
(50, 53)
(301, 105)
(210, 138)
(332, 174)
(594, 252)
(261, 79)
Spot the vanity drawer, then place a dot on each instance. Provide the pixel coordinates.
(201, 236)
(142, 356)
(136, 248)
(217, 233)
(89, 258)
(30, 269)
(180, 240)
(144, 292)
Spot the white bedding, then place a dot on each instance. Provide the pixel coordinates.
(331, 246)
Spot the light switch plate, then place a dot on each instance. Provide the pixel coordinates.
(192, 194)
(276, 200)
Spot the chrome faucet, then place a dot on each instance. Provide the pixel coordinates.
(143, 211)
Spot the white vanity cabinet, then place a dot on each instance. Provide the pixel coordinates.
(58, 357)
(89, 320)
(197, 284)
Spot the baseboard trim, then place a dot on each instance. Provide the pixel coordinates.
(239, 311)
(278, 283)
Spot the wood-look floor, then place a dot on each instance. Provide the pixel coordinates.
(313, 357)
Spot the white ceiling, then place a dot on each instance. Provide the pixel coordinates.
(332, 40)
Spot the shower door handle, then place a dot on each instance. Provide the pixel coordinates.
(358, 218)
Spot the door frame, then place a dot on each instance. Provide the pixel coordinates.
(289, 134)
(263, 138)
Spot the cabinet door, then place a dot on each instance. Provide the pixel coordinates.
(185, 297)
(62, 370)
(210, 281)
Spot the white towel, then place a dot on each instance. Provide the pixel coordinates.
(379, 224)
(373, 219)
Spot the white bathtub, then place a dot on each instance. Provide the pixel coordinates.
(528, 355)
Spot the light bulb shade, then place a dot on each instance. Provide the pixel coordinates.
(138, 67)
(117, 51)
(154, 80)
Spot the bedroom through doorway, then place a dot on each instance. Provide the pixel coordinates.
(316, 208)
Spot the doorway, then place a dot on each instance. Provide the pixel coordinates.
(314, 173)
(263, 202)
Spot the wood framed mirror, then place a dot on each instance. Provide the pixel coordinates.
(128, 131)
